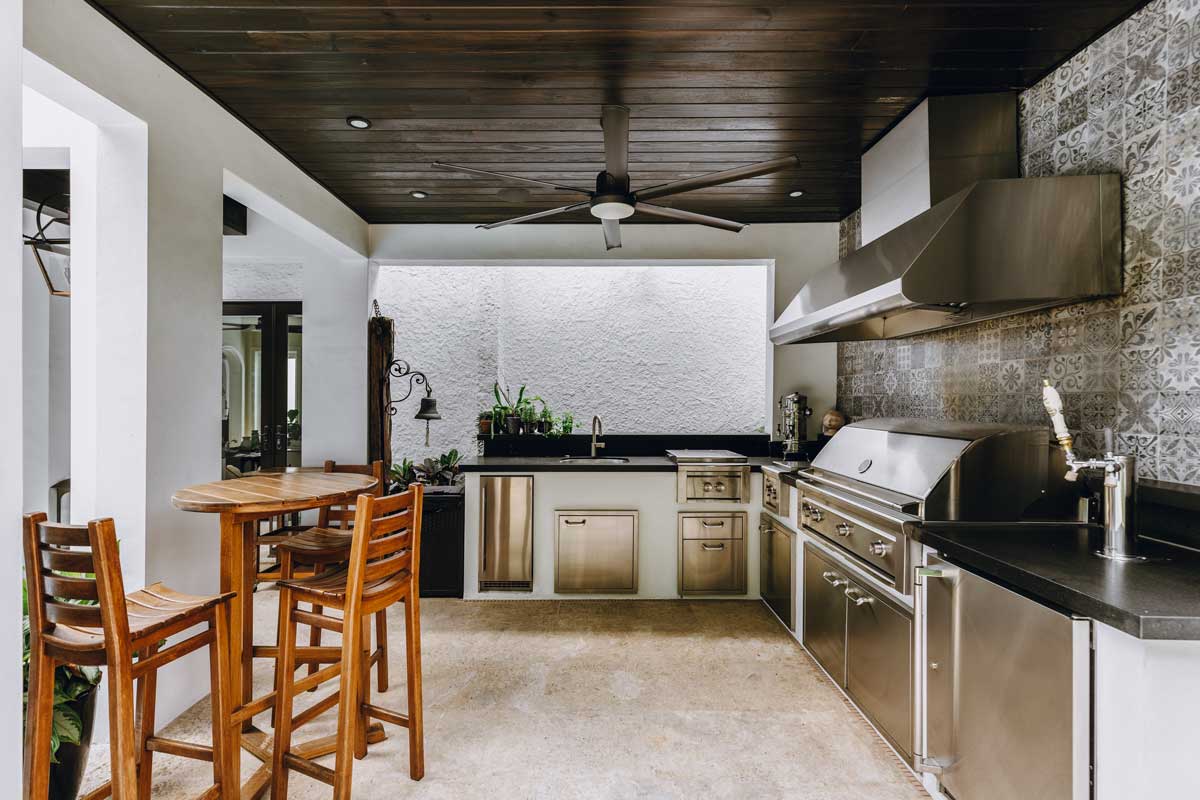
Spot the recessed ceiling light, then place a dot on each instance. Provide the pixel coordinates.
(418, 194)
(797, 193)
(361, 123)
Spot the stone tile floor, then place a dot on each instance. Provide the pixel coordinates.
(598, 699)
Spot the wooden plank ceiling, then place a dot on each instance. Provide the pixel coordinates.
(517, 87)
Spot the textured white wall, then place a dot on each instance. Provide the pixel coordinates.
(798, 250)
(675, 349)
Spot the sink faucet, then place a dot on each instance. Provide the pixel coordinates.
(597, 430)
(1120, 504)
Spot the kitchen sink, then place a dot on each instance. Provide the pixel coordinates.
(592, 460)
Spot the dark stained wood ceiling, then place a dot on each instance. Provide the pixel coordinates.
(517, 87)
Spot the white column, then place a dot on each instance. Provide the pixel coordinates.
(11, 480)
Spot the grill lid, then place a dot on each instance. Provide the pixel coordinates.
(911, 456)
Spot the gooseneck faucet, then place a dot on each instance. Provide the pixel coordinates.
(597, 430)
(1120, 507)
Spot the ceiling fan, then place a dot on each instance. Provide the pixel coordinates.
(613, 200)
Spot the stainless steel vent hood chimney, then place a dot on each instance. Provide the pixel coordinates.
(992, 248)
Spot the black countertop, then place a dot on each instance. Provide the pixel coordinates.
(554, 464)
(1150, 600)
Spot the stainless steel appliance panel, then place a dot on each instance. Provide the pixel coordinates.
(825, 612)
(712, 566)
(596, 551)
(712, 526)
(775, 569)
(774, 492)
(729, 483)
(506, 543)
(879, 663)
(873, 539)
(1017, 692)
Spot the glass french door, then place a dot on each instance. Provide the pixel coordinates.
(261, 402)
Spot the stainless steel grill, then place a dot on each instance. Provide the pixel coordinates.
(878, 475)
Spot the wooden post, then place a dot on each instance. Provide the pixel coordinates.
(381, 331)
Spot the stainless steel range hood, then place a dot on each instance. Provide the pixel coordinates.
(994, 248)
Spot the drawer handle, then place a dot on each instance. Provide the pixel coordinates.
(708, 524)
(713, 546)
(574, 522)
(833, 580)
(844, 528)
(816, 514)
(858, 598)
(880, 548)
(720, 487)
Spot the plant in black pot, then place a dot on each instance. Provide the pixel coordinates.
(444, 470)
(506, 412)
(74, 713)
(529, 418)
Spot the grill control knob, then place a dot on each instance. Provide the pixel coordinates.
(720, 487)
(707, 487)
(880, 548)
(844, 528)
(816, 514)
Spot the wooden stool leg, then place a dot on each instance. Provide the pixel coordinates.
(123, 743)
(348, 708)
(147, 687)
(381, 670)
(412, 650)
(286, 570)
(364, 692)
(314, 635)
(225, 735)
(39, 721)
(285, 676)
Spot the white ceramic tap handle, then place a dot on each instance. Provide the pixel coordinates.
(1054, 407)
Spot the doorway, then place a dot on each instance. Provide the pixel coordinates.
(261, 401)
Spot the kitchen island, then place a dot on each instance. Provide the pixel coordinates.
(645, 488)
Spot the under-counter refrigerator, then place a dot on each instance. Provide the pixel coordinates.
(506, 540)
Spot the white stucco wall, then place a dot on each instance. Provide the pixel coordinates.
(272, 263)
(651, 349)
(11, 416)
(798, 250)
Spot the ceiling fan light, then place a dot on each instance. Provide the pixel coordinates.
(611, 209)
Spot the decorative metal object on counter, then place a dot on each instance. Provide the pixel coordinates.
(399, 368)
(1120, 483)
(793, 421)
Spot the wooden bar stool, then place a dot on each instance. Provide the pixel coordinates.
(383, 568)
(110, 630)
(324, 546)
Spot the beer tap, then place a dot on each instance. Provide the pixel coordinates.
(1120, 479)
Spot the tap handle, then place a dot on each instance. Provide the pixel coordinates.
(1054, 407)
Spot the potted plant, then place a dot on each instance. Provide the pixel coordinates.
(402, 475)
(293, 425)
(441, 471)
(529, 418)
(507, 413)
(485, 422)
(568, 423)
(546, 421)
(74, 712)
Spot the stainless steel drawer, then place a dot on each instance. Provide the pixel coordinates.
(713, 483)
(712, 566)
(775, 569)
(856, 531)
(712, 526)
(879, 663)
(825, 612)
(596, 551)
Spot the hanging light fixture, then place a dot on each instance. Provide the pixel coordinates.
(399, 368)
(52, 254)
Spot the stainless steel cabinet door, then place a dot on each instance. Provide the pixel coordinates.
(596, 552)
(713, 566)
(506, 546)
(879, 664)
(775, 570)
(825, 613)
(1019, 693)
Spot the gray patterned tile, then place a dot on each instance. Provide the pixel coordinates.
(1102, 371)
(1100, 331)
(1180, 412)
(1139, 327)
(1181, 275)
(1179, 459)
(1145, 66)
(1143, 282)
(1143, 447)
(1147, 25)
(1143, 239)
(1139, 369)
(1139, 412)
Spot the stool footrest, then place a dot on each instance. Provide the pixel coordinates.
(175, 747)
(316, 709)
(309, 768)
(386, 715)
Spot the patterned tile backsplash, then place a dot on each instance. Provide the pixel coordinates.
(1129, 103)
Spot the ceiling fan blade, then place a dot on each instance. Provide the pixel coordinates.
(690, 216)
(538, 215)
(474, 171)
(612, 233)
(718, 178)
(615, 122)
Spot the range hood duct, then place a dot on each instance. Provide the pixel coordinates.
(995, 248)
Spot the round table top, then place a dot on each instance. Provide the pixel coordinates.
(274, 493)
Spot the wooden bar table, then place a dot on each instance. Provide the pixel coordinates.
(242, 504)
